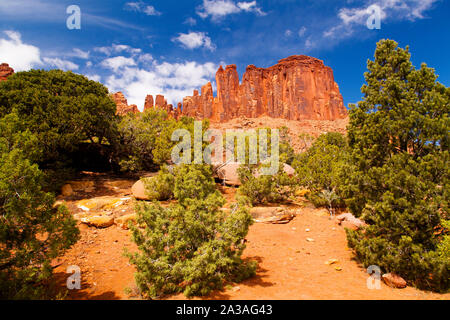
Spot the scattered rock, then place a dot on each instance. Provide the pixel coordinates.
(348, 220)
(124, 220)
(331, 262)
(309, 239)
(98, 221)
(338, 268)
(66, 190)
(394, 281)
(101, 203)
(272, 215)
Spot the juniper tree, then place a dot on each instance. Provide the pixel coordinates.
(192, 246)
(61, 109)
(32, 230)
(400, 158)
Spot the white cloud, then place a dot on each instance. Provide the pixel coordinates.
(250, 7)
(193, 40)
(190, 21)
(18, 55)
(391, 10)
(61, 64)
(117, 63)
(117, 48)
(94, 77)
(174, 80)
(288, 33)
(80, 53)
(145, 58)
(217, 9)
(302, 31)
(140, 6)
(151, 11)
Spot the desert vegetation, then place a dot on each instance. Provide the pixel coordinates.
(391, 171)
(192, 246)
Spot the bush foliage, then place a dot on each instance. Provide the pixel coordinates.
(320, 168)
(193, 246)
(399, 141)
(262, 189)
(32, 232)
(144, 139)
(61, 109)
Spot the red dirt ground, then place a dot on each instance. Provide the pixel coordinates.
(290, 267)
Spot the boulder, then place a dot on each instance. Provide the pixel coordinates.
(272, 215)
(394, 281)
(101, 203)
(98, 221)
(229, 173)
(138, 190)
(286, 168)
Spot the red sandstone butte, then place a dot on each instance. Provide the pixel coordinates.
(160, 102)
(148, 103)
(297, 88)
(5, 71)
(122, 104)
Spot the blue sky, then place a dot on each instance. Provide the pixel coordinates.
(172, 47)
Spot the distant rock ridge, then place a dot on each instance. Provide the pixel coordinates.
(5, 71)
(297, 88)
(122, 104)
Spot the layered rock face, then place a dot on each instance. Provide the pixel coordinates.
(297, 88)
(122, 104)
(5, 71)
(161, 103)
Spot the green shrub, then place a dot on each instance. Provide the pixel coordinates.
(61, 109)
(319, 169)
(160, 187)
(443, 248)
(242, 142)
(191, 247)
(32, 232)
(144, 139)
(265, 188)
(399, 142)
(193, 181)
